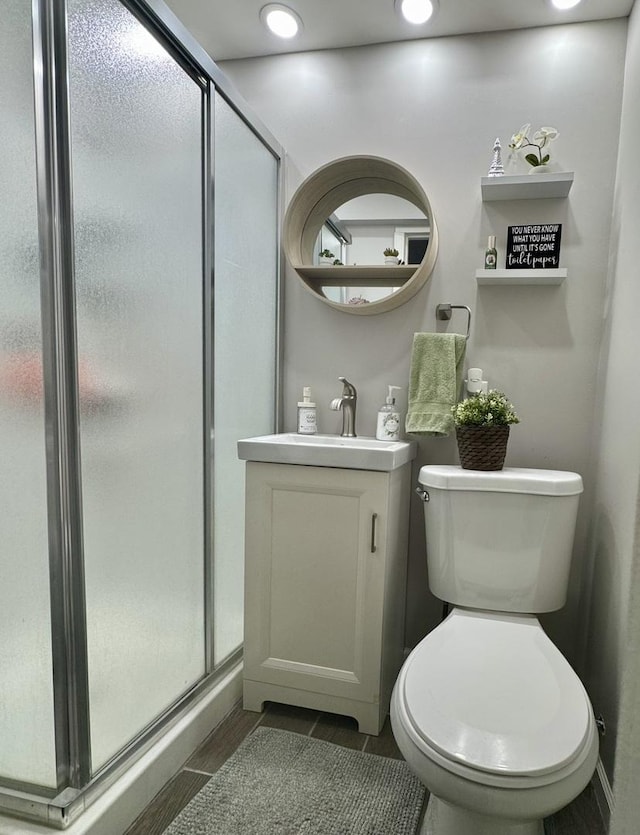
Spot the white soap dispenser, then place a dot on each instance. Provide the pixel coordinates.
(475, 383)
(388, 426)
(307, 424)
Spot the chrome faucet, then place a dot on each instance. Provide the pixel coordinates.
(348, 405)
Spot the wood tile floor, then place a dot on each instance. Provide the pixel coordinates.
(579, 818)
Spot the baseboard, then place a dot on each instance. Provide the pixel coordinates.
(603, 793)
(124, 801)
(121, 803)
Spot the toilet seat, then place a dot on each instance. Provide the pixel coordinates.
(491, 698)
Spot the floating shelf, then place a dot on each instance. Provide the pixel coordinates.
(526, 186)
(522, 277)
(381, 275)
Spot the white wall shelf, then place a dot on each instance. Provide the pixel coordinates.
(526, 186)
(522, 277)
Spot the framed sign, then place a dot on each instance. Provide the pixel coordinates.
(536, 246)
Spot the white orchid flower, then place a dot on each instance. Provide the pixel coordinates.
(544, 135)
(520, 138)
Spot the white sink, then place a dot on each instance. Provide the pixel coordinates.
(327, 451)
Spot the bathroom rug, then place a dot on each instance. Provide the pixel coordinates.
(283, 783)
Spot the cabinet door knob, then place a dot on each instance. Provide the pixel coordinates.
(374, 519)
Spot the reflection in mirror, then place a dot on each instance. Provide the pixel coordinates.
(359, 232)
(357, 295)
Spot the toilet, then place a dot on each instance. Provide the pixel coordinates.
(486, 711)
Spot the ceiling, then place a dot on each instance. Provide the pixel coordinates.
(232, 29)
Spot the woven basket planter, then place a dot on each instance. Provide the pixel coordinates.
(482, 447)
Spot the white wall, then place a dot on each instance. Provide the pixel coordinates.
(544, 347)
(452, 97)
(613, 638)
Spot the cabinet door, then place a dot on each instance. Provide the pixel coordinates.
(315, 578)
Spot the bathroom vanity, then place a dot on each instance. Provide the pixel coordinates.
(325, 575)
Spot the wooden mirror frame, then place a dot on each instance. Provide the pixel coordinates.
(320, 195)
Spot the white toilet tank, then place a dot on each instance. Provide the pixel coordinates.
(500, 541)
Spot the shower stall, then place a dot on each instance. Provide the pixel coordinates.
(139, 218)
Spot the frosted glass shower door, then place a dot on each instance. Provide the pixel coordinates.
(136, 142)
(245, 310)
(27, 745)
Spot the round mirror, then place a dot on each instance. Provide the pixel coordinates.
(361, 234)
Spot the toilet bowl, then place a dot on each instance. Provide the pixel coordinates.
(502, 738)
(486, 711)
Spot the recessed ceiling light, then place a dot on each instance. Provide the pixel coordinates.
(564, 4)
(416, 11)
(281, 20)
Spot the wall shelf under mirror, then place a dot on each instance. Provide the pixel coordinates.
(526, 186)
(522, 278)
(356, 276)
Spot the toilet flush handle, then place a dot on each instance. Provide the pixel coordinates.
(422, 493)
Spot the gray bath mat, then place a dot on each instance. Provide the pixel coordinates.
(282, 783)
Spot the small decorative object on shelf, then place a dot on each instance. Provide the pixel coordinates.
(491, 255)
(541, 138)
(326, 257)
(533, 246)
(391, 255)
(482, 424)
(338, 263)
(496, 169)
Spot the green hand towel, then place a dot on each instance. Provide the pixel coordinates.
(436, 376)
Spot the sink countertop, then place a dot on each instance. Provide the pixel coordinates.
(327, 451)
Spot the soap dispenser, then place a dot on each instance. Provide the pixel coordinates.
(474, 382)
(307, 424)
(388, 426)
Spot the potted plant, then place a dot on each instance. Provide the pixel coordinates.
(538, 160)
(482, 424)
(326, 257)
(391, 255)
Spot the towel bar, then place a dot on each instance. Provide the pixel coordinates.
(443, 311)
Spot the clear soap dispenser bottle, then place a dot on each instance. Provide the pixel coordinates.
(388, 426)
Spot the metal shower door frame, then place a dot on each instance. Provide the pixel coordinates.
(76, 783)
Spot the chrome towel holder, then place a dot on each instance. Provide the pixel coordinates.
(443, 312)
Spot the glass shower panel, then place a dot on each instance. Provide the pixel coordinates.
(245, 297)
(136, 135)
(27, 744)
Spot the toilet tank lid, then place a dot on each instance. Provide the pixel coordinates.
(509, 480)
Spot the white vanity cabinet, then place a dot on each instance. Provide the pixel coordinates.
(325, 575)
